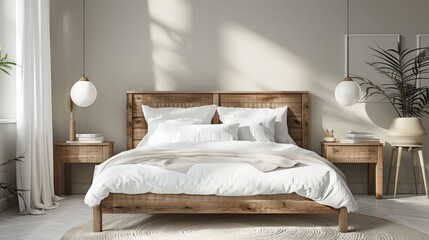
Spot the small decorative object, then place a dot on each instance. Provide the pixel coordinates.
(72, 132)
(347, 91)
(403, 71)
(83, 93)
(329, 136)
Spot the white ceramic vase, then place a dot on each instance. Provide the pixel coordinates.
(406, 131)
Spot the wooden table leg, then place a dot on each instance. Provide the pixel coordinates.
(67, 178)
(413, 160)
(422, 164)
(393, 157)
(398, 165)
(371, 178)
(57, 175)
(379, 174)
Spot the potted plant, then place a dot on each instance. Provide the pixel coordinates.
(404, 71)
(8, 188)
(5, 63)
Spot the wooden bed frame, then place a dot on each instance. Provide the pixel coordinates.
(211, 204)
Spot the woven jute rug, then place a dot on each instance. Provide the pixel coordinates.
(198, 227)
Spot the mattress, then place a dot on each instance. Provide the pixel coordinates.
(316, 179)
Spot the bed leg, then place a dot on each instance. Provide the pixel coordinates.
(342, 220)
(97, 219)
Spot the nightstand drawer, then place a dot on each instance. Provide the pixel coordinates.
(82, 154)
(83, 159)
(81, 151)
(352, 154)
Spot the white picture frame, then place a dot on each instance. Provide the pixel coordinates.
(423, 41)
(360, 53)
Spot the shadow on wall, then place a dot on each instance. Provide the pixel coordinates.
(119, 58)
(207, 45)
(381, 114)
(219, 45)
(213, 45)
(203, 45)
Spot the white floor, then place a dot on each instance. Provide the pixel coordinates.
(409, 210)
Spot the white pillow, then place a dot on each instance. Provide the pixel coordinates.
(204, 112)
(281, 134)
(155, 116)
(154, 123)
(260, 129)
(171, 133)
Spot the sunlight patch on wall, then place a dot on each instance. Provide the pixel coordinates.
(176, 14)
(171, 24)
(251, 61)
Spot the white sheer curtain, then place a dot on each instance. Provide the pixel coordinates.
(34, 107)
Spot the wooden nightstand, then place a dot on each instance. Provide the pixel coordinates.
(67, 153)
(368, 153)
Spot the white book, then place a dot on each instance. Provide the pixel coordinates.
(360, 135)
(90, 138)
(357, 132)
(89, 135)
(346, 140)
(68, 141)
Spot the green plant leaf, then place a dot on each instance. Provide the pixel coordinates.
(402, 69)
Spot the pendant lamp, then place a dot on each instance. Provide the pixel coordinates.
(347, 91)
(83, 93)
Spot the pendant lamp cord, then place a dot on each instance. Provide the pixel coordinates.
(347, 39)
(83, 38)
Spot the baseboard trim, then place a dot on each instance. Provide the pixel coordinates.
(403, 188)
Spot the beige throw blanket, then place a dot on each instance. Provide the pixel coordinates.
(183, 160)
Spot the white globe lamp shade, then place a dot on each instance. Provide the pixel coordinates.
(347, 92)
(83, 93)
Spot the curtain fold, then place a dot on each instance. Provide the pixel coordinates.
(34, 107)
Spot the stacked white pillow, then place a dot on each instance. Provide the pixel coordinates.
(281, 134)
(167, 125)
(171, 133)
(193, 115)
(253, 128)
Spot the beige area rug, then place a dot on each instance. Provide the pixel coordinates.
(199, 227)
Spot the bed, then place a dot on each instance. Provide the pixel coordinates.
(153, 203)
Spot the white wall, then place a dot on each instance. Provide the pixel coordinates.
(221, 45)
(8, 45)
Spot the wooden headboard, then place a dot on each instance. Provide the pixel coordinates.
(296, 101)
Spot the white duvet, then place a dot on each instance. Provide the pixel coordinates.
(314, 178)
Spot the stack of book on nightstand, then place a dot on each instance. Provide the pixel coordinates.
(88, 138)
(358, 137)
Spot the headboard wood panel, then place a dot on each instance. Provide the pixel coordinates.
(297, 102)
